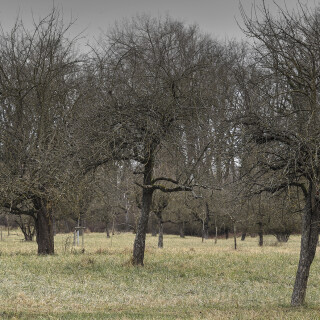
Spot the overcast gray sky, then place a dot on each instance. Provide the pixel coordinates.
(216, 17)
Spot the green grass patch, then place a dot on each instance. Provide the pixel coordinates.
(187, 279)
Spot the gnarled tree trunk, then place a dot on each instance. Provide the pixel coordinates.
(309, 240)
(44, 227)
(139, 243)
(140, 239)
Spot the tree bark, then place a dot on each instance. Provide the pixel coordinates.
(113, 226)
(139, 243)
(140, 239)
(26, 227)
(282, 237)
(107, 230)
(153, 226)
(226, 231)
(235, 236)
(127, 213)
(260, 233)
(202, 233)
(8, 226)
(309, 240)
(206, 222)
(160, 239)
(216, 237)
(260, 224)
(181, 229)
(44, 227)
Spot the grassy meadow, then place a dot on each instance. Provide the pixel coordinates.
(187, 279)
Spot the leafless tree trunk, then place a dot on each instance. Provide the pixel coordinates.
(260, 234)
(235, 235)
(181, 229)
(206, 222)
(309, 240)
(39, 92)
(139, 243)
(107, 230)
(27, 227)
(160, 240)
(153, 226)
(44, 227)
(286, 129)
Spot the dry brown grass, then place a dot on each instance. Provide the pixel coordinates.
(187, 279)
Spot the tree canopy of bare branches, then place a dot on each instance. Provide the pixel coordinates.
(38, 86)
(282, 125)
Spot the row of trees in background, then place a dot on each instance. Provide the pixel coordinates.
(162, 121)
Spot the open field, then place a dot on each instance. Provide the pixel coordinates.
(185, 280)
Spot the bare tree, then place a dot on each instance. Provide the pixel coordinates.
(38, 86)
(159, 205)
(149, 73)
(26, 225)
(282, 124)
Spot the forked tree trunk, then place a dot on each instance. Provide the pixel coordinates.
(309, 240)
(160, 239)
(140, 239)
(44, 227)
(27, 227)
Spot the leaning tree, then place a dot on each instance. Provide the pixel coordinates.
(281, 116)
